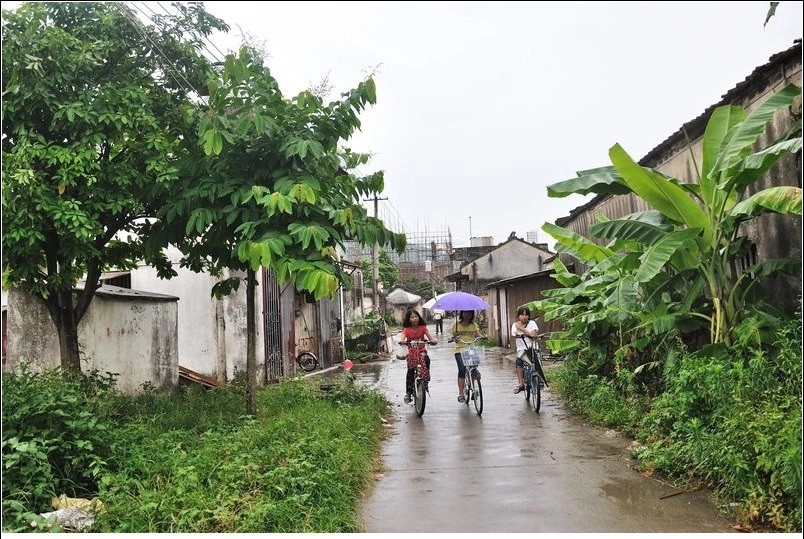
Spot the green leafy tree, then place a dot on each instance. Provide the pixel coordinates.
(387, 270)
(94, 105)
(273, 188)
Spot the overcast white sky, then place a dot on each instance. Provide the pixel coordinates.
(481, 105)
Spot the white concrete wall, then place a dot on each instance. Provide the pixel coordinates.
(509, 260)
(127, 334)
(211, 332)
(134, 338)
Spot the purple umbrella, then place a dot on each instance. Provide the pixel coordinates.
(460, 301)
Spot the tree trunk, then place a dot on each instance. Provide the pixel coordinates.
(251, 342)
(60, 306)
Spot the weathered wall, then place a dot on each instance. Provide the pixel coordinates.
(124, 331)
(775, 236)
(510, 259)
(506, 297)
(212, 332)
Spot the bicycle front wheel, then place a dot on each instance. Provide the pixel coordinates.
(307, 361)
(527, 384)
(419, 396)
(477, 392)
(536, 394)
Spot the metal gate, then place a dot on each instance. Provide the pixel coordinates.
(272, 322)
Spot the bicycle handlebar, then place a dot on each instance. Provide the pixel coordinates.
(459, 339)
(416, 341)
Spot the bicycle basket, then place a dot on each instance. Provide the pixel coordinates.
(472, 357)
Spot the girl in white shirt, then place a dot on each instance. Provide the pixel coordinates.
(526, 327)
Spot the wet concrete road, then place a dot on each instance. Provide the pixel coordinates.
(513, 470)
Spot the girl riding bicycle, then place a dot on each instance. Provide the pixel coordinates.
(414, 330)
(525, 331)
(463, 331)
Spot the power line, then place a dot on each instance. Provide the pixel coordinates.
(168, 66)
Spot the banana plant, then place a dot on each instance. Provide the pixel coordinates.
(701, 220)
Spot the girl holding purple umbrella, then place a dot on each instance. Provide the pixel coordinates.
(463, 331)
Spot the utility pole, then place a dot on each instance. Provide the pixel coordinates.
(375, 270)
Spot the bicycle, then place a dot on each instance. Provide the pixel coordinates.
(534, 374)
(421, 378)
(307, 360)
(472, 357)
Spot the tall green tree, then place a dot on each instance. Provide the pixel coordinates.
(94, 114)
(271, 186)
(386, 269)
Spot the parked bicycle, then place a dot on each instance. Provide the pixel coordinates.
(534, 374)
(472, 357)
(306, 359)
(421, 378)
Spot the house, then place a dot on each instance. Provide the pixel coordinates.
(204, 334)
(507, 295)
(399, 301)
(212, 332)
(775, 236)
(503, 277)
(509, 259)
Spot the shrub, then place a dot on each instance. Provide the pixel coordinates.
(57, 438)
(733, 418)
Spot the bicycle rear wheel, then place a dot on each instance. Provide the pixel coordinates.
(419, 396)
(307, 361)
(477, 392)
(536, 394)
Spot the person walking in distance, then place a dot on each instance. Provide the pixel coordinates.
(464, 329)
(414, 330)
(438, 316)
(527, 328)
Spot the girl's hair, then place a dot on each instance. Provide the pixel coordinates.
(469, 316)
(523, 310)
(406, 323)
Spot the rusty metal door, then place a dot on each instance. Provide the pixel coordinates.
(272, 322)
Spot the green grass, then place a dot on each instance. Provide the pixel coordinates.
(194, 462)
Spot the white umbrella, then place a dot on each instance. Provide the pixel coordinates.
(430, 302)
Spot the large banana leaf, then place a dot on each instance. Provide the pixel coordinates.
(656, 190)
(563, 275)
(740, 139)
(600, 181)
(624, 295)
(755, 165)
(576, 245)
(657, 256)
(720, 124)
(645, 228)
(784, 200)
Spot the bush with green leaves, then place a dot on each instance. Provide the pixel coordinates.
(58, 435)
(732, 418)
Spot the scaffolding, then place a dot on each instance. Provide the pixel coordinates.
(427, 256)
